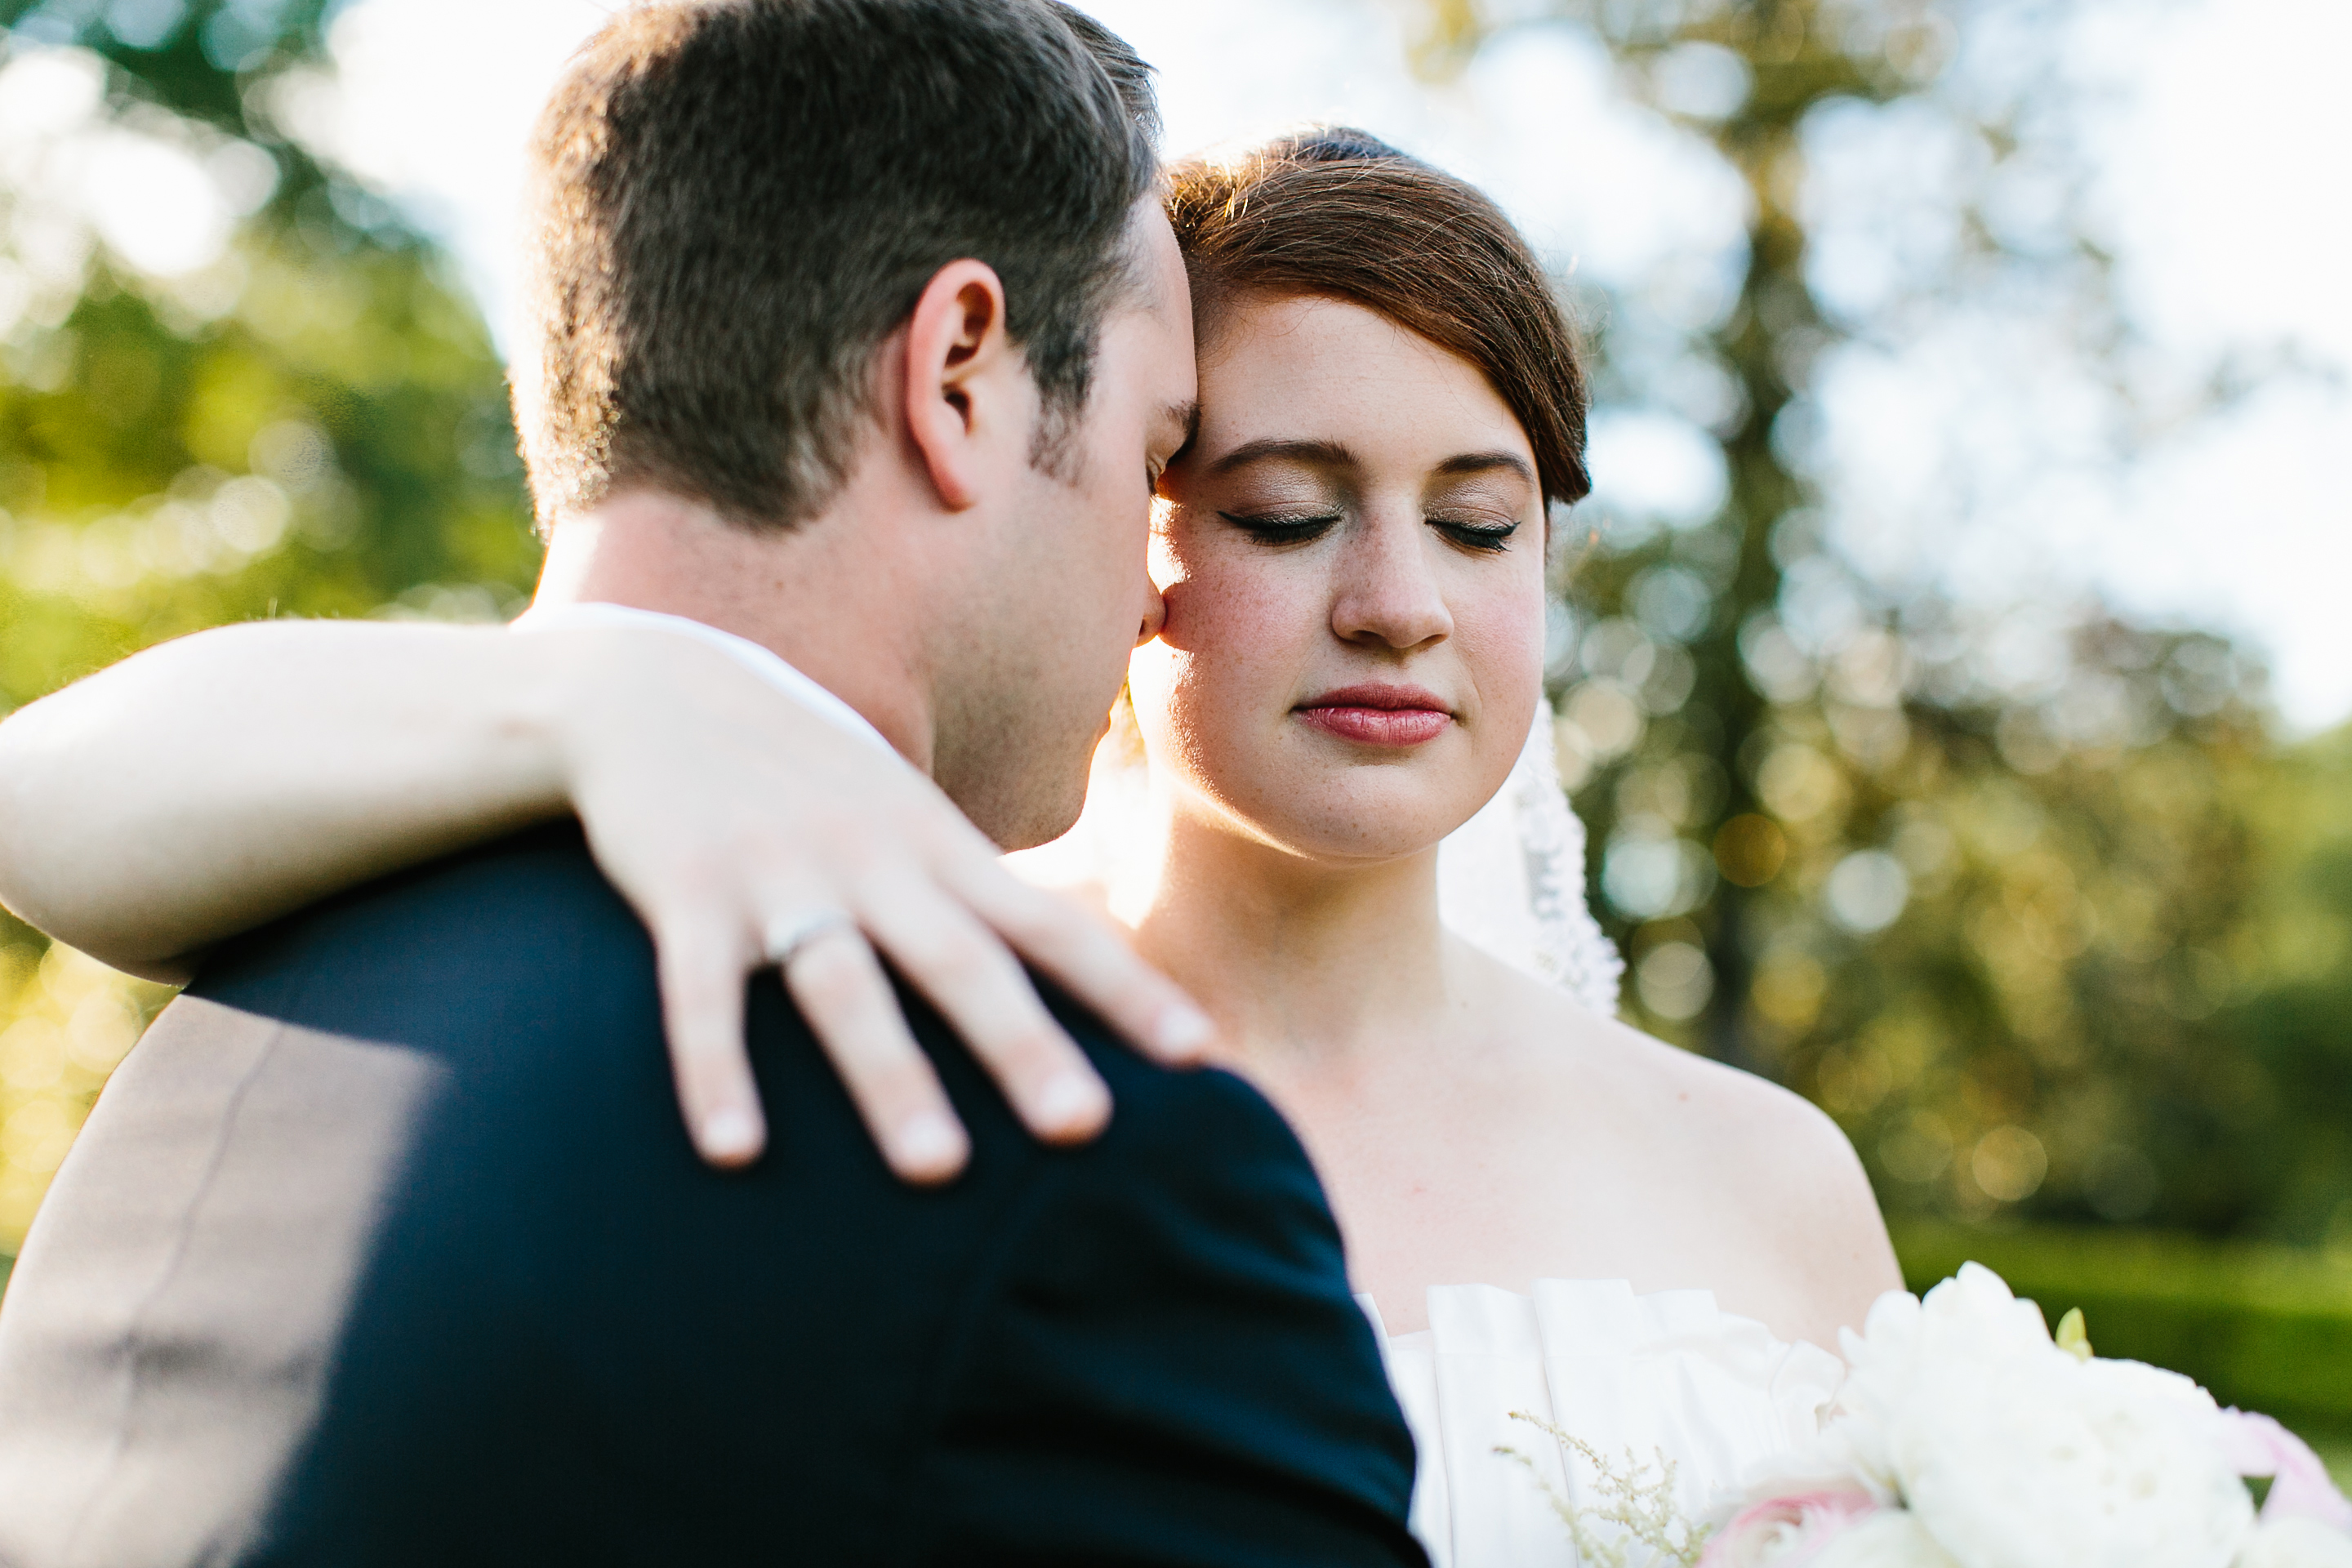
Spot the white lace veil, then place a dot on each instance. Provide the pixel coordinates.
(1511, 880)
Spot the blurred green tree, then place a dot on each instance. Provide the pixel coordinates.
(1985, 882)
(232, 383)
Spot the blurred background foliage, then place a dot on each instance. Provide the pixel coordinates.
(232, 383)
(2032, 898)
(2036, 902)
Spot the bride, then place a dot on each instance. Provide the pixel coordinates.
(1549, 1215)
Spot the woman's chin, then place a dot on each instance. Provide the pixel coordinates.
(1358, 826)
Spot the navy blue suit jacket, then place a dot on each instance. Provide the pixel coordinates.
(563, 1339)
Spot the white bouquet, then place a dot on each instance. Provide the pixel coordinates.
(1966, 1436)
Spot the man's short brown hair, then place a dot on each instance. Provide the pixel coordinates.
(736, 201)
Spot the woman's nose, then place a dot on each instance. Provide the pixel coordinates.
(1387, 589)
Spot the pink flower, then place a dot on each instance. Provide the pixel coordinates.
(2300, 1486)
(1787, 1531)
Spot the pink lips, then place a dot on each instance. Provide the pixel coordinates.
(1377, 715)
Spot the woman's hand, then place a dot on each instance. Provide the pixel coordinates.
(298, 759)
(739, 823)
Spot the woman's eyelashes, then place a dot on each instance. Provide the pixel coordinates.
(1284, 528)
(1485, 535)
(1480, 535)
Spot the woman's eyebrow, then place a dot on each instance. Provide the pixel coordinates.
(1318, 454)
(1487, 463)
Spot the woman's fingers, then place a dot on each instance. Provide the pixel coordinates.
(969, 975)
(702, 963)
(743, 818)
(957, 926)
(1078, 949)
(847, 1001)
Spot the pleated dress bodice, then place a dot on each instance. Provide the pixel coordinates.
(1641, 1380)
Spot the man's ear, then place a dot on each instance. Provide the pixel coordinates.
(965, 380)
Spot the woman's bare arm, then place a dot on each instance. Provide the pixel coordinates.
(210, 785)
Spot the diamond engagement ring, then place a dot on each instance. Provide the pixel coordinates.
(788, 936)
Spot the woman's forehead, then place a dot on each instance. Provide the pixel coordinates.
(1317, 379)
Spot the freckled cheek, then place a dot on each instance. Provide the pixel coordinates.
(1502, 643)
(1225, 664)
(1514, 628)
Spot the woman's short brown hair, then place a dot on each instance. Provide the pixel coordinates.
(1338, 213)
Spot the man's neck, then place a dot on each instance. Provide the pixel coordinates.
(827, 596)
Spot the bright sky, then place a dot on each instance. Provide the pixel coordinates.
(2220, 171)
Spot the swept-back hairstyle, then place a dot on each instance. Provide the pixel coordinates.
(1341, 214)
(736, 201)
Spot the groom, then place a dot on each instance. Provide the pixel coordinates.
(856, 342)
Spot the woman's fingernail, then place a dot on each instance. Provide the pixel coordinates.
(929, 1143)
(1185, 1032)
(1070, 1100)
(731, 1135)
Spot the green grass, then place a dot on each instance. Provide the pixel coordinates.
(2265, 1328)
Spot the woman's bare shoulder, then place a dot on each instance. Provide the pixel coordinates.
(1790, 1173)
(1771, 1165)
(1645, 1071)
(1775, 1142)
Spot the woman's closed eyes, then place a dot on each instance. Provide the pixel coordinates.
(1278, 529)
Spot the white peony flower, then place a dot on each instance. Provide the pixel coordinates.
(2013, 1453)
(1970, 1319)
(2295, 1543)
(1887, 1538)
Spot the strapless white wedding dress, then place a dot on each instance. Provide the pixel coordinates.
(1636, 1377)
